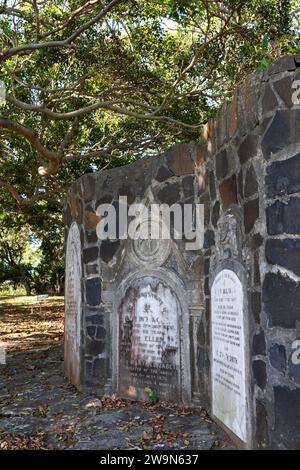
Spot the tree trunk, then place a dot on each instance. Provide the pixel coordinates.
(25, 281)
(59, 285)
(26, 285)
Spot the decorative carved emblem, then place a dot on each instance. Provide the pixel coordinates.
(229, 236)
(150, 251)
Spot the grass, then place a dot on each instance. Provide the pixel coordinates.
(24, 300)
(28, 324)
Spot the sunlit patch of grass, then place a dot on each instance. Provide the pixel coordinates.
(26, 322)
(28, 299)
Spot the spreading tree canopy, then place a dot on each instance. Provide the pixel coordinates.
(89, 84)
(97, 83)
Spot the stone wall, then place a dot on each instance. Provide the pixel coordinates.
(251, 154)
(246, 169)
(110, 268)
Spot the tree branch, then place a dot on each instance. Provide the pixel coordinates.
(36, 144)
(30, 136)
(21, 200)
(109, 105)
(63, 43)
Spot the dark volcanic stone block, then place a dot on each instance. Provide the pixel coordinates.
(281, 298)
(91, 237)
(179, 160)
(163, 174)
(296, 125)
(188, 186)
(285, 253)
(206, 266)
(277, 357)
(269, 101)
(206, 286)
(284, 89)
(262, 438)
(256, 306)
(222, 165)
(232, 116)
(90, 254)
(91, 330)
(278, 135)
(212, 186)
(209, 239)
(204, 199)
(284, 218)
(260, 374)
(248, 148)
(128, 192)
(169, 194)
(101, 332)
(241, 184)
(215, 214)
(259, 344)
(283, 64)
(251, 214)
(88, 183)
(104, 199)
(283, 177)
(95, 319)
(108, 249)
(93, 291)
(228, 192)
(287, 417)
(251, 185)
(101, 368)
(247, 106)
(93, 348)
(91, 269)
(256, 241)
(256, 269)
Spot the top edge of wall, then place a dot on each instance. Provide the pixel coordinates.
(240, 116)
(234, 120)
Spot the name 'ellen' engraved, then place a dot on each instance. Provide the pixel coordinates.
(149, 337)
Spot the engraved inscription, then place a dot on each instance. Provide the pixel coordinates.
(229, 392)
(149, 340)
(73, 305)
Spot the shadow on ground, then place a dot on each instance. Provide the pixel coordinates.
(40, 410)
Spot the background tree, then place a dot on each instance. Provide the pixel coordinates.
(17, 256)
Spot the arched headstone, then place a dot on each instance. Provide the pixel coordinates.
(73, 305)
(149, 340)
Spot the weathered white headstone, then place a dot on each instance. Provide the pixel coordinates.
(229, 383)
(73, 305)
(149, 343)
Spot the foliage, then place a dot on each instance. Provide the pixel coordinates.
(152, 395)
(92, 85)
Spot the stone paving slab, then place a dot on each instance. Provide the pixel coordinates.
(37, 402)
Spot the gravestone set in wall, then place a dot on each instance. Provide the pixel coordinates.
(141, 300)
(217, 326)
(230, 393)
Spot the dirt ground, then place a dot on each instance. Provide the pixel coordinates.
(39, 409)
